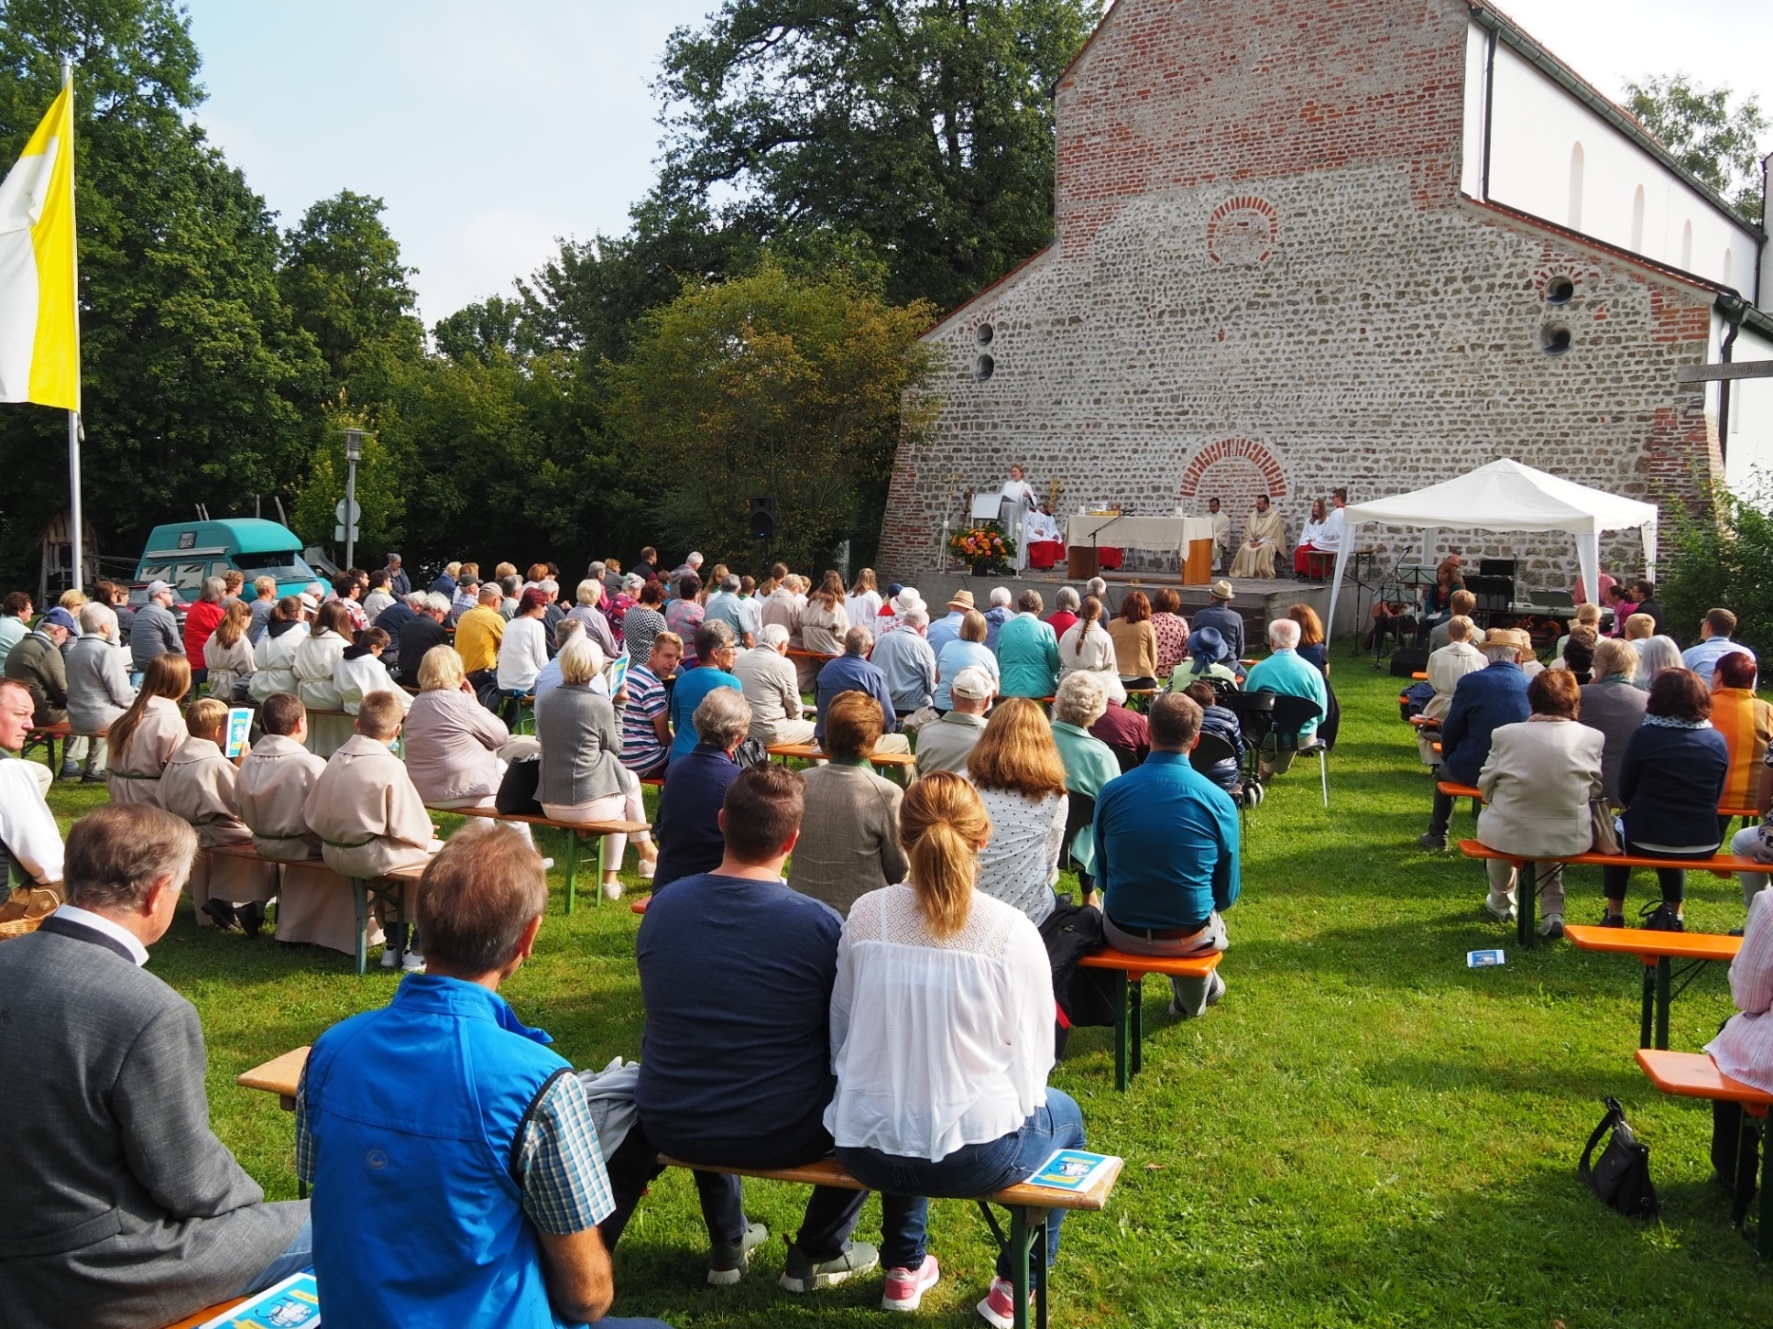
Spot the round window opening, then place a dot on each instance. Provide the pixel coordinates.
(1554, 339)
(1559, 290)
(982, 367)
(985, 333)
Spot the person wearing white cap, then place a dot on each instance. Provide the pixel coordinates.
(155, 630)
(892, 616)
(905, 657)
(946, 744)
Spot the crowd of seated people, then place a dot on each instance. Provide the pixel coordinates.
(888, 905)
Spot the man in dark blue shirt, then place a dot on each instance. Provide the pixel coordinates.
(1483, 702)
(736, 971)
(852, 672)
(1166, 854)
(395, 617)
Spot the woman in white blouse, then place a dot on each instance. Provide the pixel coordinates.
(862, 605)
(1020, 777)
(1086, 643)
(942, 1037)
(523, 653)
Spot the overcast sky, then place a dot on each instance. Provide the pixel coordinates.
(491, 130)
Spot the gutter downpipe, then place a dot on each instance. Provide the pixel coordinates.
(1490, 115)
(1733, 309)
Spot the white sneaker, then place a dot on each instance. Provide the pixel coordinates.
(390, 957)
(612, 890)
(547, 863)
(412, 962)
(1500, 915)
(1552, 926)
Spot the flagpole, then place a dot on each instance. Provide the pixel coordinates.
(78, 534)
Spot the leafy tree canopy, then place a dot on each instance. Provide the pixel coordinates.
(346, 287)
(925, 125)
(784, 383)
(1710, 132)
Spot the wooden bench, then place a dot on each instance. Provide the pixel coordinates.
(575, 832)
(886, 761)
(45, 736)
(204, 1316)
(1658, 950)
(1129, 1025)
(365, 891)
(1696, 1075)
(1029, 1206)
(1030, 1209)
(1719, 865)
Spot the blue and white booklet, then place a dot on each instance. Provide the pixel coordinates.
(1071, 1170)
(1484, 959)
(292, 1304)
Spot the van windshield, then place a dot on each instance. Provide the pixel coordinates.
(279, 564)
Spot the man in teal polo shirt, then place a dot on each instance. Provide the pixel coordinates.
(1286, 674)
(1166, 854)
(1028, 652)
(457, 1173)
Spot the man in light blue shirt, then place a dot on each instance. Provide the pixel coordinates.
(1285, 674)
(851, 672)
(904, 657)
(945, 630)
(1714, 642)
(738, 614)
(1028, 652)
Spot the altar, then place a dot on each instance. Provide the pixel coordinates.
(1096, 539)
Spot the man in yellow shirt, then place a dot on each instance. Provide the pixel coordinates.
(479, 633)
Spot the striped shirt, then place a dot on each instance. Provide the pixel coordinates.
(641, 748)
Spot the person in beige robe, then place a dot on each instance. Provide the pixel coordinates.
(315, 904)
(134, 773)
(1262, 538)
(199, 786)
(369, 817)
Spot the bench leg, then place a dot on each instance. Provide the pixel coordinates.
(1527, 895)
(1764, 1233)
(1646, 1020)
(572, 868)
(1122, 1019)
(1136, 1024)
(602, 870)
(1028, 1264)
(1663, 1001)
(360, 899)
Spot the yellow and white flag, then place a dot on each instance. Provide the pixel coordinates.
(39, 323)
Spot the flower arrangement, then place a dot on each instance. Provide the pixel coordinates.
(986, 549)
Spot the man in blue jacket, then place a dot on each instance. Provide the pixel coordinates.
(1483, 702)
(458, 1177)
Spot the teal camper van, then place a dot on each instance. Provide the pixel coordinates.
(185, 553)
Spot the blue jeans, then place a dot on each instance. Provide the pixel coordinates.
(297, 1256)
(972, 1170)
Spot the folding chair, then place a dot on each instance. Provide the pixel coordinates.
(1291, 714)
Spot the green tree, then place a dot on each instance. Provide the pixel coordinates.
(192, 371)
(775, 383)
(924, 125)
(1722, 555)
(381, 489)
(347, 288)
(480, 331)
(1709, 131)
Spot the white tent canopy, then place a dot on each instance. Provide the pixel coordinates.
(1506, 496)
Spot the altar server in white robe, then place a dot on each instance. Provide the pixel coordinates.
(198, 785)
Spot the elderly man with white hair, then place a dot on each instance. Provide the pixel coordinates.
(766, 677)
(905, 657)
(98, 683)
(852, 672)
(1287, 674)
(996, 616)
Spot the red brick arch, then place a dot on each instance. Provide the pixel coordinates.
(1242, 231)
(1234, 471)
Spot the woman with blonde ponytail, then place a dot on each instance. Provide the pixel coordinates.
(942, 1037)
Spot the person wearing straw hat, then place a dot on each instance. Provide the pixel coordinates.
(1223, 619)
(945, 630)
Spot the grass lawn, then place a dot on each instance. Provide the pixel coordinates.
(1364, 1132)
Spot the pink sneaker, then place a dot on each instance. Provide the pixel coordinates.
(999, 1306)
(905, 1287)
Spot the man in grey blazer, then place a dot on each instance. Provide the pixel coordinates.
(121, 1208)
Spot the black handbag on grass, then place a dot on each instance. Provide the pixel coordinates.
(1621, 1176)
